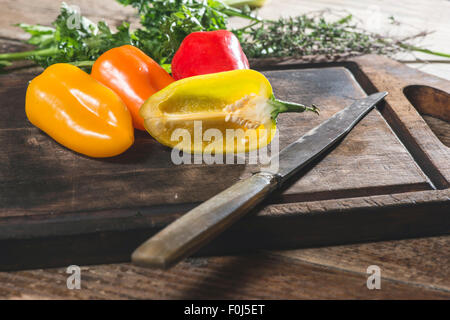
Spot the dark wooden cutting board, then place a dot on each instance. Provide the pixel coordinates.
(388, 178)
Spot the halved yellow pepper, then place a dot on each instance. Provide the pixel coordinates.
(79, 112)
(242, 100)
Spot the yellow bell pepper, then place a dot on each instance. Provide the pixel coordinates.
(237, 99)
(79, 112)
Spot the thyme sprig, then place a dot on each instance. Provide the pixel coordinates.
(312, 35)
(165, 23)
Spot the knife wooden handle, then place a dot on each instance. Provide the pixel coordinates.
(203, 223)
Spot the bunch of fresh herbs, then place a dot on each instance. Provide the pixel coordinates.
(165, 23)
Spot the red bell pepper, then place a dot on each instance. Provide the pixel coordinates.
(208, 52)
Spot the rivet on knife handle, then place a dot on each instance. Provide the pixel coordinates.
(201, 224)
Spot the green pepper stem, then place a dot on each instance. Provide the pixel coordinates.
(280, 106)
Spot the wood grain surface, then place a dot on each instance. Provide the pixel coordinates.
(411, 269)
(424, 145)
(41, 176)
(125, 199)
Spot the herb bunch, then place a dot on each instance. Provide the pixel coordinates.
(306, 36)
(79, 45)
(165, 23)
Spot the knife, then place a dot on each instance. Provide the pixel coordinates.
(202, 224)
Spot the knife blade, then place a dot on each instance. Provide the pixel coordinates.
(202, 224)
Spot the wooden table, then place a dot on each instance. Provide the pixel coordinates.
(410, 269)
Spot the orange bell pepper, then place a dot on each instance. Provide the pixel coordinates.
(133, 75)
(79, 112)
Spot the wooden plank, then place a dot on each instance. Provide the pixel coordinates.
(421, 262)
(41, 176)
(440, 128)
(238, 277)
(430, 152)
(111, 235)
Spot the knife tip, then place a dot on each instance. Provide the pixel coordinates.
(381, 94)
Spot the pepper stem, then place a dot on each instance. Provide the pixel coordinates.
(280, 106)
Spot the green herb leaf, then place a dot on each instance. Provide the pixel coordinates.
(165, 23)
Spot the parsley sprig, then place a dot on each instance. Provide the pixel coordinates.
(165, 23)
